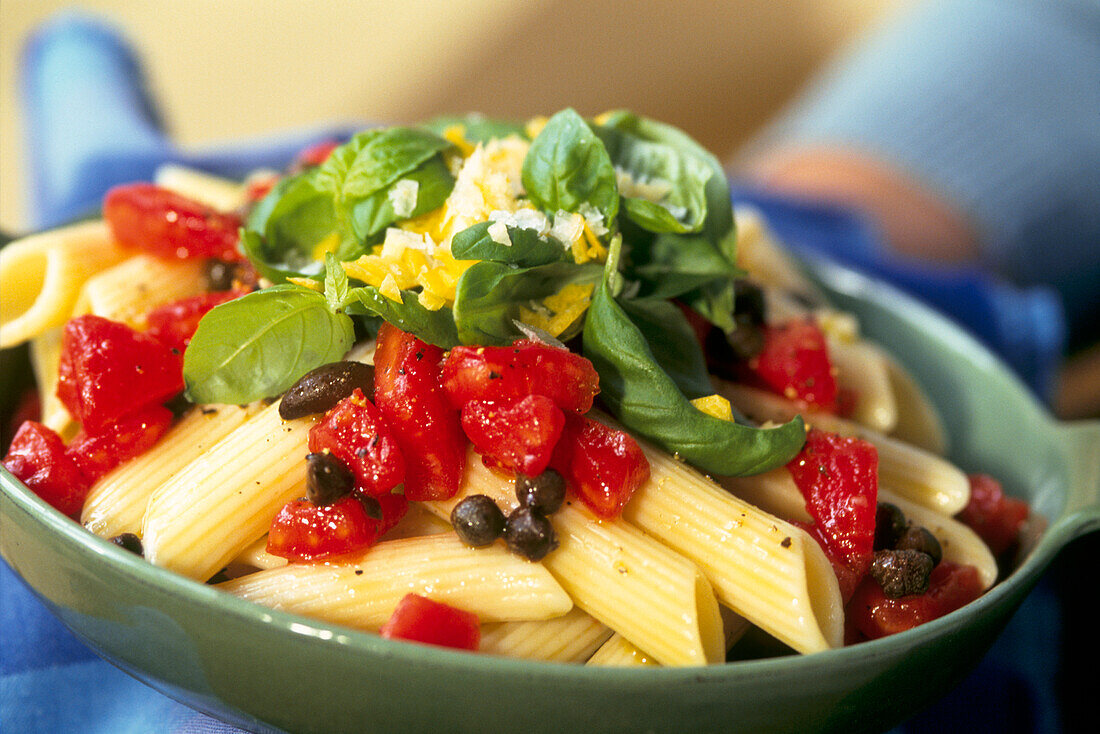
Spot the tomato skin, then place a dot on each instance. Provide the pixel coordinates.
(108, 370)
(303, 531)
(130, 436)
(314, 155)
(838, 476)
(512, 373)
(795, 363)
(173, 324)
(518, 437)
(355, 432)
(874, 615)
(601, 465)
(419, 619)
(147, 217)
(409, 396)
(37, 458)
(994, 516)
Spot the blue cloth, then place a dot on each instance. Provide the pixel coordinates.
(50, 682)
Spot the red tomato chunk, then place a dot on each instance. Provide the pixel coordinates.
(419, 619)
(355, 432)
(525, 368)
(108, 370)
(601, 465)
(37, 458)
(995, 517)
(838, 477)
(409, 396)
(161, 222)
(795, 363)
(303, 531)
(875, 615)
(132, 435)
(173, 324)
(518, 437)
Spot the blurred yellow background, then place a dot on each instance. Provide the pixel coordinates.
(225, 70)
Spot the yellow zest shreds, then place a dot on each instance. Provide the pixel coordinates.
(407, 260)
(328, 244)
(558, 312)
(310, 283)
(714, 405)
(592, 250)
(456, 136)
(535, 125)
(388, 288)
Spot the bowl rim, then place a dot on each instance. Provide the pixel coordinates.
(351, 641)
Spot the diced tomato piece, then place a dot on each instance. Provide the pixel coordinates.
(601, 465)
(993, 515)
(394, 507)
(163, 223)
(108, 370)
(28, 408)
(951, 586)
(512, 373)
(130, 436)
(355, 432)
(795, 363)
(258, 187)
(37, 458)
(519, 436)
(303, 531)
(419, 619)
(315, 154)
(409, 396)
(838, 477)
(173, 324)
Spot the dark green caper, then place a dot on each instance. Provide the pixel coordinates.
(130, 542)
(477, 520)
(890, 524)
(543, 493)
(529, 534)
(321, 388)
(328, 479)
(901, 572)
(920, 539)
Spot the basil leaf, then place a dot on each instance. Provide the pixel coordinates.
(684, 207)
(649, 402)
(528, 248)
(673, 344)
(285, 228)
(374, 159)
(475, 127)
(489, 296)
(372, 214)
(258, 345)
(336, 283)
(670, 265)
(567, 167)
(434, 327)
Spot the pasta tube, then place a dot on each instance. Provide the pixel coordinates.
(42, 275)
(45, 353)
(362, 591)
(117, 502)
(571, 638)
(862, 368)
(918, 422)
(129, 290)
(220, 193)
(911, 472)
(653, 596)
(213, 508)
(617, 652)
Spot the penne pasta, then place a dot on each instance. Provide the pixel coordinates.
(42, 276)
(362, 590)
(918, 423)
(256, 556)
(766, 261)
(913, 473)
(651, 595)
(45, 353)
(129, 290)
(117, 503)
(861, 369)
(417, 522)
(570, 638)
(617, 652)
(224, 499)
(763, 568)
(220, 193)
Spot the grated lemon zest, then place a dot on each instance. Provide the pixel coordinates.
(714, 405)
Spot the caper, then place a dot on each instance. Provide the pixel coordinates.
(543, 493)
(890, 524)
(529, 534)
(748, 302)
(328, 479)
(920, 539)
(321, 388)
(901, 572)
(218, 275)
(477, 520)
(130, 542)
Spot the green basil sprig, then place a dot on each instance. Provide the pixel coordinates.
(649, 402)
(258, 345)
(568, 167)
(435, 327)
(476, 128)
(527, 248)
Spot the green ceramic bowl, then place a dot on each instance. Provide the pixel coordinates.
(247, 664)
